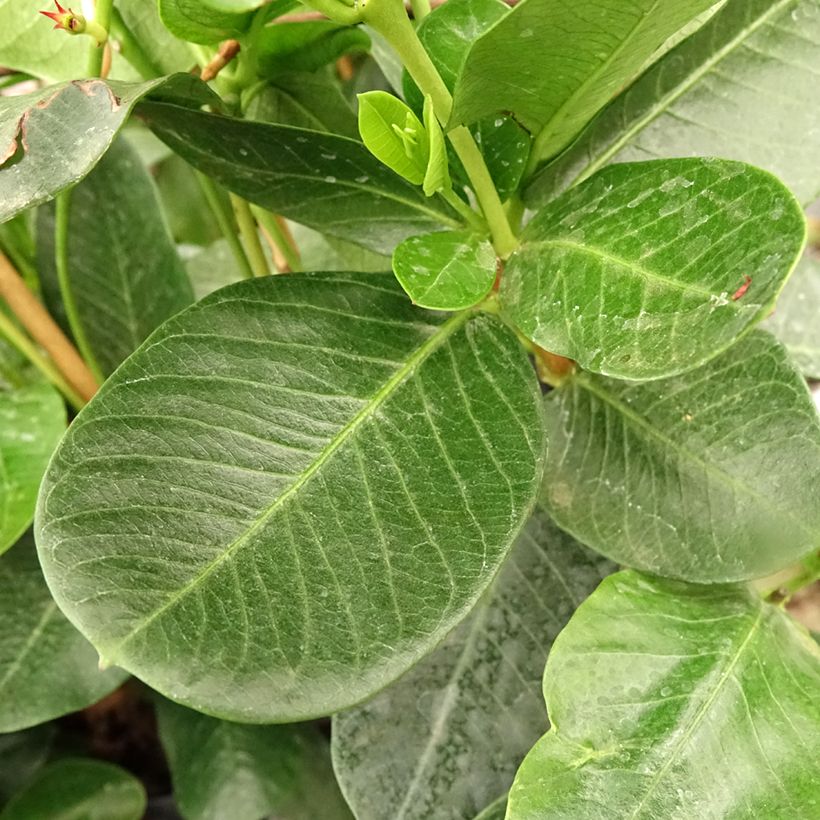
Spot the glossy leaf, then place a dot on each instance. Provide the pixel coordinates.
(47, 668)
(437, 175)
(446, 740)
(555, 64)
(188, 20)
(710, 476)
(742, 87)
(649, 269)
(796, 319)
(329, 183)
(32, 421)
(22, 754)
(126, 277)
(700, 702)
(77, 789)
(308, 442)
(222, 769)
(445, 271)
(37, 160)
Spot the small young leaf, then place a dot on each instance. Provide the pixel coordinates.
(795, 320)
(76, 789)
(638, 272)
(710, 476)
(437, 175)
(188, 20)
(478, 693)
(226, 770)
(309, 442)
(676, 700)
(445, 271)
(47, 668)
(394, 135)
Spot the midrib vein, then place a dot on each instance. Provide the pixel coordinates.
(421, 353)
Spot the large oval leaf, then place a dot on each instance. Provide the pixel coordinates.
(711, 476)
(291, 493)
(479, 693)
(739, 88)
(649, 269)
(47, 668)
(671, 700)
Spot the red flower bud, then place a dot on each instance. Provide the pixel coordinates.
(66, 20)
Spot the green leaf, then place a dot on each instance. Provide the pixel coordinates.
(671, 700)
(495, 811)
(555, 64)
(437, 175)
(446, 740)
(166, 53)
(308, 46)
(188, 20)
(75, 789)
(640, 272)
(795, 319)
(711, 476)
(47, 669)
(23, 753)
(223, 769)
(289, 467)
(121, 295)
(37, 160)
(742, 87)
(327, 182)
(394, 135)
(32, 421)
(445, 271)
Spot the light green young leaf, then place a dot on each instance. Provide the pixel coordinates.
(309, 442)
(327, 182)
(711, 476)
(796, 318)
(77, 789)
(126, 277)
(47, 669)
(555, 64)
(445, 271)
(226, 770)
(649, 269)
(32, 421)
(437, 175)
(188, 20)
(394, 135)
(742, 87)
(446, 739)
(676, 700)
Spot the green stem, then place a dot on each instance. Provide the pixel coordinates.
(390, 19)
(20, 341)
(459, 205)
(131, 48)
(807, 576)
(102, 18)
(225, 219)
(271, 225)
(421, 8)
(61, 259)
(247, 227)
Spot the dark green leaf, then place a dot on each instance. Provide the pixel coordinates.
(555, 64)
(744, 87)
(446, 739)
(291, 468)
(445, 271)
(676, 700)
(711, 476)
(75, 789)
(22, 754)
(796, 319)
(640, 271)
(47, 668)
(188, 20)
(325, 181)
(126, 277)
(231, 770)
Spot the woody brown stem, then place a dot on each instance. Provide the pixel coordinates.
(227, 52)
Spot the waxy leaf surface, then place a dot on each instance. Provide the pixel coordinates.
(232, 770)
(555, 63)
(676, 700)
(308, 481)
(709, 476)
(744, 87)
(649, 269)
(330, 183)
(47, 668)
(189, 20)
(446, 739)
